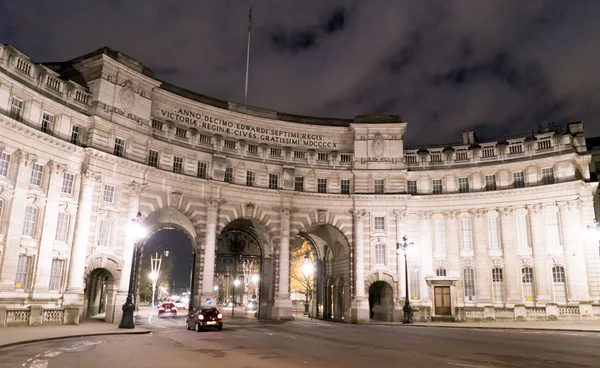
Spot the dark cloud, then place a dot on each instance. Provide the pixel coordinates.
(501, 66)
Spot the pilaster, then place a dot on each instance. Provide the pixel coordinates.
(359, 309)
(482, 278)
(453, 243)
(208, 271)
(576, 270)
(512, 274)
(426, 252)
(282, 309)
(540, 253)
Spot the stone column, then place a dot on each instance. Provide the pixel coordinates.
(360, 305)
(540, 253)
(453, 243)
(283, 304)
(576, 270)
(512, 273)
(21, 174)
(208, 271)
(133, 207)
(46, 248)
(74, 292)
(483, 271)
(426, 252)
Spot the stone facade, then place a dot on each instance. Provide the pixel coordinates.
(498, 228)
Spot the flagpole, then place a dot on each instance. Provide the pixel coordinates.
(248, 54)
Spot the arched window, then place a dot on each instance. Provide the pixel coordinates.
(29, 221)
(528, 286)
(558, 280)
(469, 282)
(380, 254)
(440, 272)
(497, 285)
(104, 233)
(62, 227)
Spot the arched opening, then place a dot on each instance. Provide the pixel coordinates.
(329, 250)
(165, 269)
(243, 269)
(381, 301)
(303, 275)
(99, 295)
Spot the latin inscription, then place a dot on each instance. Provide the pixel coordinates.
(244, 131)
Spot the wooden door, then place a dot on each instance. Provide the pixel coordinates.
(442, 301)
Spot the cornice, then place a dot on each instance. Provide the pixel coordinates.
(38, 135)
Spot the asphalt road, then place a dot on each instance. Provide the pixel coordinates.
(244, 344)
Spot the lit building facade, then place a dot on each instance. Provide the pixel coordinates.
(498, 228)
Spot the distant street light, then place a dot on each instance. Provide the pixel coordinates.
(236, 283)
(307, 269)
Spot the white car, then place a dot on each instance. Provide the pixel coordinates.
(180, 304)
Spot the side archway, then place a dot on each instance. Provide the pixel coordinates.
(102, 276)
(379, 288)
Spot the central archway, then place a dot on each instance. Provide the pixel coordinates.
(243, 269)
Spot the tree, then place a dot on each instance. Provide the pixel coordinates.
(164, 276)
(299, 283)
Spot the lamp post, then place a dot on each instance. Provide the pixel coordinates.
(407, 309)
(236, 282)
(139, 232)
(307, 269)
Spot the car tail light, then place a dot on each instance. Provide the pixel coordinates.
(219, 316)
(161, 309)
(200, 317)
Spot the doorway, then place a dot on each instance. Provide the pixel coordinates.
(381, 301)
(442, 301)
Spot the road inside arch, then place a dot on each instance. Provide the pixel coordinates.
(305, 343)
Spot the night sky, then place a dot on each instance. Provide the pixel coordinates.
(500, 66)
(180, 249)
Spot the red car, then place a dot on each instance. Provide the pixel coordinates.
(167, 310)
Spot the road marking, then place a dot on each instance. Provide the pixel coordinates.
(466, 365)
(39, 364)
(52, 354)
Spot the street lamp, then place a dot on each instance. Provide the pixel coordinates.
(139, 232)
(236, 282)
(307, 269)
(155, 263)
(407, 308)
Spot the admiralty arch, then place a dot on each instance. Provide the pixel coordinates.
(498, 229)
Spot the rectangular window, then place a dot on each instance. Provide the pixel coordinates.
(411, 187)
(497, 285)
(205, 139)
(29, 221)
(469, 281)
(230, 144)
(558, 279)
(437, 186)
(299, 183)
(300, 155)
(379, 223)
(22, 276)
(108, 196)
(249, 178)
(253, 148)
(276, 152)
(119, 149)
(440, 235)
(181, 133)
(490, 182)
(16, 109)
(345, 157)
(440, 272)
(158, 125)
(47, 123)
(37, 173)
(379, 186)
(322, 185)
(552, 230)
(528, 286)
(463, 185)
(322, 157)
(56, 273)
(202, 169)
(228, 175)
(518, 180)
(4, 164)
(493, 235)
(273, 181)
(153, 158)
(75, 134)
(345, 186)
(522, 231)
(104, 233)
(67, 184)
(548, 176)
(380, 254)
(62, 227)
(415, 284)
(177, 164)
(467, 233)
